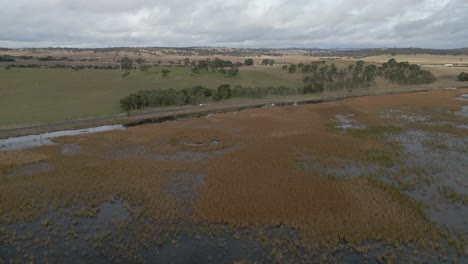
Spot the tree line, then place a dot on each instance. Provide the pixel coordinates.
(201, 94)
(215, 65)
(321, 76)
(170, 97)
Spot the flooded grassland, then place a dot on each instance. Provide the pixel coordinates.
(376, 179)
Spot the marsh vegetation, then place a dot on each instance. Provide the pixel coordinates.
(377, 178)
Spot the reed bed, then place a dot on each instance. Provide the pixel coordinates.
(255, 184)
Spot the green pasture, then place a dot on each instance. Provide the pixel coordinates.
(37, 96)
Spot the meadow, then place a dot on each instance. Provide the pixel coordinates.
(424, 59)
(38, 96)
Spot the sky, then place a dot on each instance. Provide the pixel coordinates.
(234, 23)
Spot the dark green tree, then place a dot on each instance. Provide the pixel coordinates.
(463, 77)
(126, 63)
(249, 62)
(165, 73)
(125, 74)
(292, 68)
(224, 92)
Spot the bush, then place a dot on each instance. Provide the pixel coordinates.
(6, 58)
(463, 77)
(248, 62)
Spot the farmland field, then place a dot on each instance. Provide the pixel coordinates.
(377, 178)
(38, 96)
(35, 96)
(422, 59)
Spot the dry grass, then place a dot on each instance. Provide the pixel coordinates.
(255, 184)
(20, 157)
(421, 59)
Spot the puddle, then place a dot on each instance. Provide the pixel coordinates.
(407, 117)
(430, 162)
(344, 169)
(44, 139)
(463, 111)
(60, 237)
(346, 121)
(196, 156)
(32, 169)
(200, 144)
(129, 152)
(462, 97)
(184, 185)
(70, 149)
(444, 158)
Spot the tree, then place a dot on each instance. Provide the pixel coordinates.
(125, 74)
(233, 71)
(292, 68)
(463, 77)
(248, 62)
(268, 62)
(224, 92)
(126, 63)
(145, 69)
(165, 73)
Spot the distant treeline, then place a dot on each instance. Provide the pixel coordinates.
(321, 76)
(389, 51)
(199, 94)
(404, 73)
(215, 65)
(63, 66)
(6, 58)
(188, 51)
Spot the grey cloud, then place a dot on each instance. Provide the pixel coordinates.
(237, 23)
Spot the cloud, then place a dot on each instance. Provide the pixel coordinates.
(234, 23)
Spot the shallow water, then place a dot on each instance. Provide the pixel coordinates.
(444, 158)
(463, 111)
(184, 185)
(346, 121)
(32, 169)
(462, 97)
(45, 139)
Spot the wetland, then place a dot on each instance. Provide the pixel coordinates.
(377, 179)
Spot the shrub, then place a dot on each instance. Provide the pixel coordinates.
(463, 77)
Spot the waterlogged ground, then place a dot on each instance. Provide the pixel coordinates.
(378, 179)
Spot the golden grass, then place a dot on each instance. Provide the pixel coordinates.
(420, 59)
(20, 157)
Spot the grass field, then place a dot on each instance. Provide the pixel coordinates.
(43, 95)
(421, 59)
(32, 96)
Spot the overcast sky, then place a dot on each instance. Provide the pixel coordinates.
(234, 23)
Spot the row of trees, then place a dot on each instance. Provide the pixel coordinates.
(322, 76)
(216, 65)
(200, 94)
(170, 97)
(404, 73)
(6, 58)
(359, 75)
(268, 62)
(62, 66)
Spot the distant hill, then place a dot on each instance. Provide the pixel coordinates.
(254, 52)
